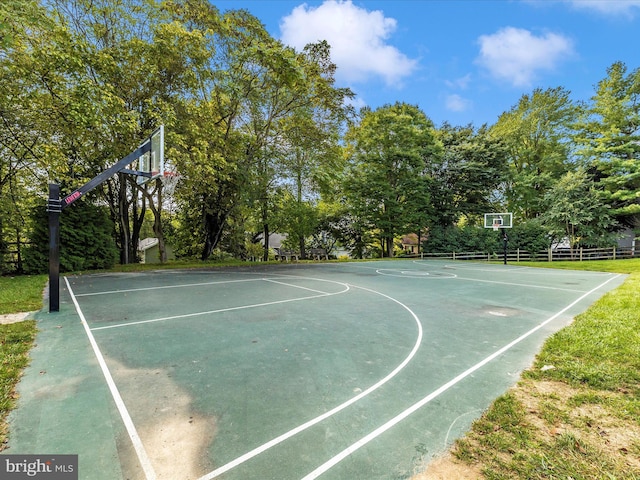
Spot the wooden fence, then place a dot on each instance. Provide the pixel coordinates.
(12, 259)
(550, 255)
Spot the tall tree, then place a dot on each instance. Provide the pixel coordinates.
(466, 177)
(389, 151)
(574, 211)
(24, 156)
(310, 161)
(609, 142)
(231, 151)
(536, 133)
(85, 79)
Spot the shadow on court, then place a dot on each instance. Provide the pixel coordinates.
(332, 370)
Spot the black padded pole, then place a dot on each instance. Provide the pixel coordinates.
(54, 207)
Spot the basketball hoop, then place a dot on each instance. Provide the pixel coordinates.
(169, 181)
(496, 226)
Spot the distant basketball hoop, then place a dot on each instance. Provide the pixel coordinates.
(499, 221)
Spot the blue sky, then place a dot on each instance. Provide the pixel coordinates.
(460, 61)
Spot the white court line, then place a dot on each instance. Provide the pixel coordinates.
(144, 289)
(294, 286)
(417, 262)
(262, 448)
(222, 310)
(416, 406)
(473, 266)
(416, 274)
(470, 412)
(145, 462)
(513, 284)
(522, 269)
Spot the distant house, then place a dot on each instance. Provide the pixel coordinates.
(410, 244)
(149, 251)
(628, 239)
(275, 241)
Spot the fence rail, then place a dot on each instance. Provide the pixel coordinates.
(550, 255)
(12, 257)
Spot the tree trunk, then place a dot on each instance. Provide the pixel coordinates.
(123, 219)
(389, 241)
(265, 233)
(213, 226)
(158, 231)
(138, 219)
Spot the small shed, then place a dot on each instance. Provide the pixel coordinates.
(150, 252)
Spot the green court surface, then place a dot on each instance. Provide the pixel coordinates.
(296, 371)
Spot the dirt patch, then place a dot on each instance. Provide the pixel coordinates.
(13, 317)
(448, 468)
(593, 423)
(175, 437)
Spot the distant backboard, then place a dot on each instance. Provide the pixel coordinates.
(498, 220)
(152, 162)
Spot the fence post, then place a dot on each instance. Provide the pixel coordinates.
(614, 252)
(454, 255)
(518, 255)
(550, 255)
(580, 253)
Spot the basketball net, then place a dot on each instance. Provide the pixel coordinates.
(169, 182)
(496, 227)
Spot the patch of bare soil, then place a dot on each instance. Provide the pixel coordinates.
(593, 423)
(13, 317)
(175, 438)
(447, 467)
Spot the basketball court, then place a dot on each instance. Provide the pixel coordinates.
(361, 370)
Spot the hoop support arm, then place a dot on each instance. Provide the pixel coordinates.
(108, 173)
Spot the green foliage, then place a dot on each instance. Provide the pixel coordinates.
(473, 165)
(462, 239)
(528, 236)
(386, 185)
(574, 211)
(535, 133)
(86, 241)
(609, 142)
(299, 220)
(254, 251)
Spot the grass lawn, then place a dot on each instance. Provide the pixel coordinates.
(17, 294)
(21, 293)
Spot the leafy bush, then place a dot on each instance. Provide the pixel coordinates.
(86, 241)
(529, 236)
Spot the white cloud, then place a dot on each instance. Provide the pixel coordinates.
(456, 103)
(462, 83)
(608, 7)
(357, 37)
(516, 55)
